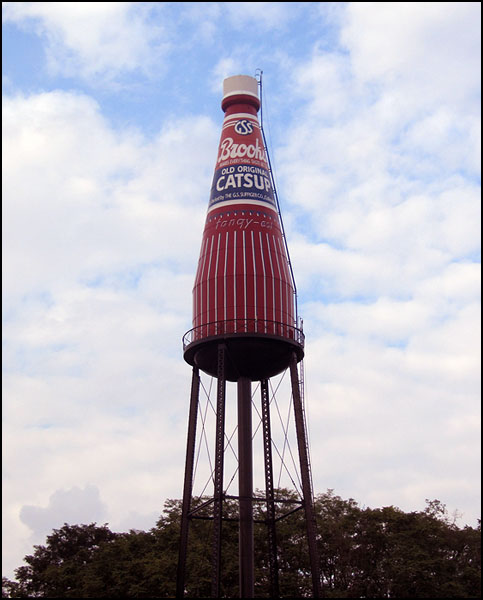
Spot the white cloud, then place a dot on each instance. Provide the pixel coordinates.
(261, 15)
(91, 201)
(94, 40)
(381, 175)
(429, 52)
(383, 421)
(400, 108)
(73, 506)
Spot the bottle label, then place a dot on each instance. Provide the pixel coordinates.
(241, 174)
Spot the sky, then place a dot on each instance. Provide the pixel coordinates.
(111, 121)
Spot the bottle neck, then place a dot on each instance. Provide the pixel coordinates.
(233, 104)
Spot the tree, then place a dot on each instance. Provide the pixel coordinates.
(386, 553)
(364, 553)
(52, 571)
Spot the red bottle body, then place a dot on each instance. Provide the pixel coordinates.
(243, 282)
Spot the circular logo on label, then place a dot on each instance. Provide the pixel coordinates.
(244, 127)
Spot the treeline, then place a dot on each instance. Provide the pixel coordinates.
(364, 553)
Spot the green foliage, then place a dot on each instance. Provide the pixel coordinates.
(364, 553)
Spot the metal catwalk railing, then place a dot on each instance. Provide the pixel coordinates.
(243, 326)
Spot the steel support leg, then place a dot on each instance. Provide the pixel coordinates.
(305, 476)
(269, 491)
(218, 486)
(245, 488)
(188, 483)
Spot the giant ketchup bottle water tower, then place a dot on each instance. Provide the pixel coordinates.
(245, 330)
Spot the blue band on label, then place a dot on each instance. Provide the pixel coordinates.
(242, 182)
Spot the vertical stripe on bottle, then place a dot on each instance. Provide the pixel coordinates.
(202, 280)
(283, 282)
(225, 297)
(244, 282)
(273, 279)
(289, 287)
(255, 300)
(216, 319)
(279, 278)
(208, 283)
(262, 260)
(235, 316)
